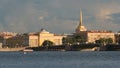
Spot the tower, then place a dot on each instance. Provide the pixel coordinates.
(80, 18)
(80, 26)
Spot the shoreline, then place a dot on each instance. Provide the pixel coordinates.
(11, 49)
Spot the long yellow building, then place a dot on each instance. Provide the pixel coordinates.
(92, 35)
(45, 35)
(29, 39)
(37, 39)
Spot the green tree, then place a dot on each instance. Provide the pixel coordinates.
(80, 39)
(109, 40)
(73, 39)
(47, 43)
(68, 40)
(104, 40)
(63, 40)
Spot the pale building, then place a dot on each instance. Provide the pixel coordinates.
(31, 40)
(7, 34)
(45, 35)
(4, 36)
(23, 40)
(93, 35)
(96, 35)
(15, 41)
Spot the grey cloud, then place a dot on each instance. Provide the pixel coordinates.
(57, 16)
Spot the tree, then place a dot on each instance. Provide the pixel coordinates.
(73, 39)
(64, 40)
(117, 36)
(109, 40)
(47, 43)
(80, 39)
(104, 40)
(68, 40)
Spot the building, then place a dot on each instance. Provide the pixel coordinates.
(15, 41)
(117, 37)
(92, 35)
(45, 35)
(80, 26)
(32, 39)
(4, 36)
(8, 39)
(23, 40)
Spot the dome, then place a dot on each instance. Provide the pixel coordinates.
(44, 31)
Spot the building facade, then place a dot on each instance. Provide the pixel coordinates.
(29, 39)
(45, 35)
(4, 36)
(92, 35)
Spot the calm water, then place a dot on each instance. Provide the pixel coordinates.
(60, 59)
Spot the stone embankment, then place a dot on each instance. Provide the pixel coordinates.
(12, 49)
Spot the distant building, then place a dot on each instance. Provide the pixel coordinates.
(8, 39)
(4, 36)
(31, 40)
(15, 41)
(80, 26)
(117, 37)
(23, 40)
(45, 35)
(37, 39)
(92, 35)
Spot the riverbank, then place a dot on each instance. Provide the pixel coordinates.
(12, 49)
(81, 47)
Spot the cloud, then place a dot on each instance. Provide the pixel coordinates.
(41, 17)
(23, 18)
(59, 16)
(105, 16)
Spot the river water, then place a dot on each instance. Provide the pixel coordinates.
(57, 59)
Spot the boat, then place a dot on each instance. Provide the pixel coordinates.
(91, 49)
(27, 50)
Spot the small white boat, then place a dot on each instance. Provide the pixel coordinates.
(27, 50)
(87, 50)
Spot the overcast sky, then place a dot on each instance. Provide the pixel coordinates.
(58, 16)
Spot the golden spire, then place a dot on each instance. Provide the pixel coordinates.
(80, 26)
(80, 18)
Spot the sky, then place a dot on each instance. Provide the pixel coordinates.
(58, 16)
